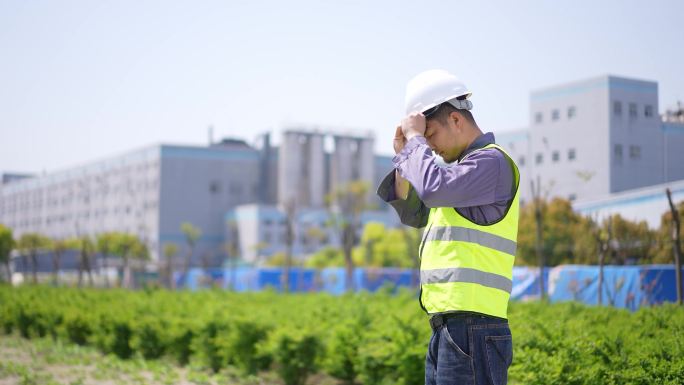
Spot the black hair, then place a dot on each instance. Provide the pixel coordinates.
(445, 109)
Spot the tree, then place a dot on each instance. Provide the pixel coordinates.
(676, 245)
(346, 204)
(6, 246)
(127, 247)
(105, 245)
(232, 249)
(258, 249)
(663, 249)
(290, 218)
(373, 232)
(170, 251)
(86, 249)
(205, 259)
(192, 235)
(59, 247)
(326, 257)
(602, 238)
(583, 235)
(140, 252)
(559, 228)
(631, 241)
(412, 238)
(29, 244)
(382, 247)
(279, 259)
(538, 205)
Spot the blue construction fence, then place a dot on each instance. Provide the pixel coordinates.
(623, 286)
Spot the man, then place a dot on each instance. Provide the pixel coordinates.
(469, 206)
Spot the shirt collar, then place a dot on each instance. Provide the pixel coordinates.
(478, 143)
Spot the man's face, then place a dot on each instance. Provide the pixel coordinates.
(443, 139)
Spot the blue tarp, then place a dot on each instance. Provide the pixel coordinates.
(623, 286)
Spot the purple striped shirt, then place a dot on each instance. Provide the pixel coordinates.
(480, 185)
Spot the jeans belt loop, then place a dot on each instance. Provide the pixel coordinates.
(436, 321)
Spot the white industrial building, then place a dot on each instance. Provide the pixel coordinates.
(599, 142)
(150, 192)
(593, 138)
(262, 230)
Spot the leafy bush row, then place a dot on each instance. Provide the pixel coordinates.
(363, 338)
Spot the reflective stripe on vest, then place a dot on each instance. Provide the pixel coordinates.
(466, 275)
(455, 233)
(466, 266)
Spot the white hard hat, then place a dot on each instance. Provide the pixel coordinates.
(434, 87)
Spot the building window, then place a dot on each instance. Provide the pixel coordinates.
(635, 152)
(572, 197)
(521, 161)
(572, 112)
(632, 110)
(571, 154)
(538, 117)
(555, 156)
(539, 158)
(617, 108)
(555, 115)
(214, 187)
(648, 111)
(617, 151)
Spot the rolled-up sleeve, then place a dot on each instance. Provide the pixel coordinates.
(471, 182)
(412, 212)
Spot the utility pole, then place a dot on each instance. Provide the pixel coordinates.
(676, 245)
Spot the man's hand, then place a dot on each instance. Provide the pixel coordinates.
(399, 140)
(413, 125)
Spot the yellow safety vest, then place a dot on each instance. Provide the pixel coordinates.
(465, 266)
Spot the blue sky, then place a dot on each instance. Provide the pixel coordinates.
(85, 80)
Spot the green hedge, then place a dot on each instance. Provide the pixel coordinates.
(363, 338)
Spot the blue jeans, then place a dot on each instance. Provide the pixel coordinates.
(469, 349)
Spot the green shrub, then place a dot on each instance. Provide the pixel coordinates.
(181, 339)
(120, 339)
(77, 327)
(150, 338)
(342, 351)
(242, 346)
(373, 363)
(294, 355)
(210, 344)
(36, 322)
(408, 356)
(357, 338)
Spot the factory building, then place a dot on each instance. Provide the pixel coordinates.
(152, 191)
(598, 142)
(593, 138)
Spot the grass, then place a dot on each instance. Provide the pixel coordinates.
(44, 361)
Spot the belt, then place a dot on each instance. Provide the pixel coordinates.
(438, 320)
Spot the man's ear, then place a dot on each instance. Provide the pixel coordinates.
(457, 119)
